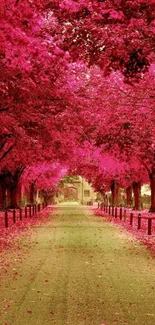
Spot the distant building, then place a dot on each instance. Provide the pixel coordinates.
(75, 189)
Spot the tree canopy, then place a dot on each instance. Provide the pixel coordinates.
(77, 87)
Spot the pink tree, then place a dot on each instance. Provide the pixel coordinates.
(40, 177)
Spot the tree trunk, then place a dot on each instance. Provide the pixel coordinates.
(137, 195)
(115, 193)
(106, 200)
(152, 183)
(118, 197)
(15, 196)
(2, 195)
(129, 196)
(14, 188)
(32, 193)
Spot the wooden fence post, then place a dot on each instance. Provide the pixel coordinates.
(124, 214)
(6, 219)
(39, 207)
(120, 213)
(112, 211)
(116, 212)
(14, 216)
(149, 226)
(26, 212)
(139, 221)
(109, 210)
(131, 218)
(20, 214)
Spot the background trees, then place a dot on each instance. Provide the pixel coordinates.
(77, 92)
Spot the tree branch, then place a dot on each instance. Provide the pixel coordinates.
(9, 135)
(3, 144)
(16, 3)
(37, 178)
(6, 153)
(4, 109)
(143, 163)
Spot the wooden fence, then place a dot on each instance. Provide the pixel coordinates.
(132, 217)
(12, 216)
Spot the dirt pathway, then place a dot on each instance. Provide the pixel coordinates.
(78, 270)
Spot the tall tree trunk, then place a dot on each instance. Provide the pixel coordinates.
(115, 191)
(2, 194)
(118, 196)
(15, 195)
(14, 188)
(102, 192)
(106, 200)
(152, 184)
(32, 193)
(129, 196)
(137, 195)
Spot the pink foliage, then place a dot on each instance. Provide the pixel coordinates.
(44, 176)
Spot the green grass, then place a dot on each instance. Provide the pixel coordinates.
(78, 270)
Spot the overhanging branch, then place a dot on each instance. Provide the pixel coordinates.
(6, 153)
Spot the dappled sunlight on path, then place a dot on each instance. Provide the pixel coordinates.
(77, 269)
(68, 203)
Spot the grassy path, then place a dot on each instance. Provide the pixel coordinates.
(78, 270)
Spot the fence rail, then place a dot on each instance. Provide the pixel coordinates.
(12, 216)
(133, 218)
